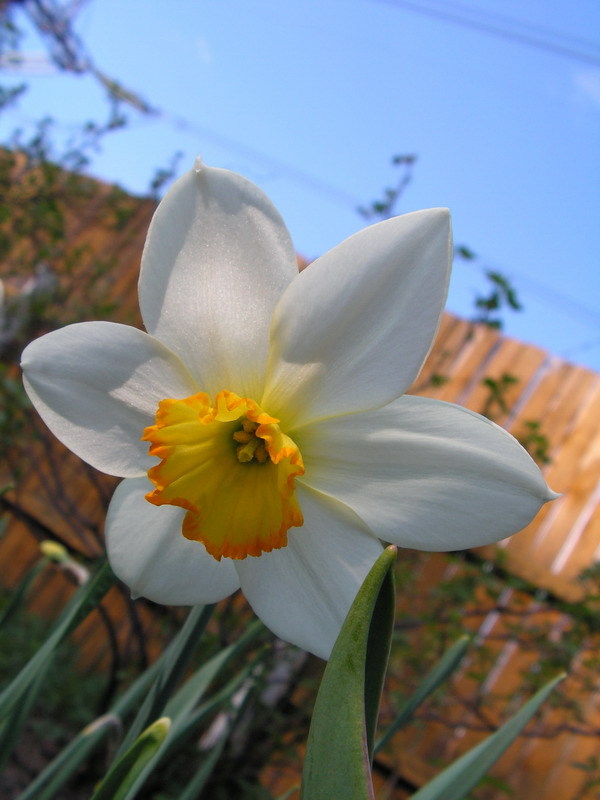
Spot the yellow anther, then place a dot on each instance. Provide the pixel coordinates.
(249, 426)
(260, 454)
(242, 437)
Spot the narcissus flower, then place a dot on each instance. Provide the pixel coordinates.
(260, 424)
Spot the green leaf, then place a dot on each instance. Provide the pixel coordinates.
(465, 252)
(83, 601)
(184, 728)
(47, 784)
(20, 593)
(196, 785)
(184, 709)
(170, 673)
(341, 736)
(194, 689)
(57, 773)
(126, 769)
(380, 631)
(464, 774)
(12, 726)
(442, 670)
(60, 769)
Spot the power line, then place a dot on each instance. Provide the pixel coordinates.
(583, 313)
(284, 168)
(452, 12)
(512, 22)
(582, 347)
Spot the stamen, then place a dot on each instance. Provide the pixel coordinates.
(251, 446)
(260, 454)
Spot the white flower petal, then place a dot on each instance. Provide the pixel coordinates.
(351, 332)
(216, 260)
(97, 386)
(148, 552)
(304, 591)
(425, 474)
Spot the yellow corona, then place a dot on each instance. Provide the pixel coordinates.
(230, 466)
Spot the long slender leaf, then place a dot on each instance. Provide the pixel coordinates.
(15, 721)
(340, 741)
(381, 629)
(61, 768)
(20, 593)
(81, 604)
(459, 778)
(442, 670)
(170, 673)
(17, 716)
(196, 785)
(194, 689)
(58, 772)
(54, 776)
(188, 723)
(184, 728)
(126, 769)
(187, 716)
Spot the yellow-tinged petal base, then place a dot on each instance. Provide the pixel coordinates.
(231, 467)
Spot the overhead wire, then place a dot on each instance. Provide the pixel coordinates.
(283, 167)
(512, 23)
(459, 15)
(568, 305)
(582, 347)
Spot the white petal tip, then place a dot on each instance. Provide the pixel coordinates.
(437, 212)
(199, 165)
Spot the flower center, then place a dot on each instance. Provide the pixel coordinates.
(252, 446)
(231, 467)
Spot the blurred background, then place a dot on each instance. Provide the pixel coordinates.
(344, 113)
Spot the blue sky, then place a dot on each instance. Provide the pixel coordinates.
(312, 99)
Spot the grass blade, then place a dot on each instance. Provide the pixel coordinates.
(61, 768)
(20, 593)
(459, 778)
(81, 604)
(171, 672)
(442, 670)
